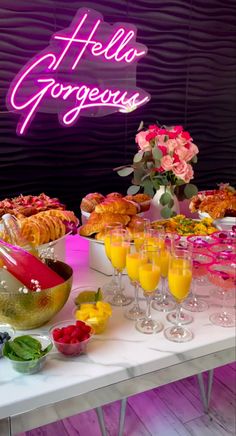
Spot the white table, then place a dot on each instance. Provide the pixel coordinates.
(119, 363)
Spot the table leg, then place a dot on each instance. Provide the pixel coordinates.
(206, 392)
(101, 421)
(122, 416)
(5, 427)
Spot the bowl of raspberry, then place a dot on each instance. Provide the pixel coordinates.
(71, 338)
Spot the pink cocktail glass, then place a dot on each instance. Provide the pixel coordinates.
(225, 236)
(201, 261)
(201, 242)
(223, 251)
(223, 276)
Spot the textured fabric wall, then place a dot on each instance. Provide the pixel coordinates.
(190, 72)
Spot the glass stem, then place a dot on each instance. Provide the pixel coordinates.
(194, 292)
(224, 310)
(119, 273)
(178, 315)
(136, 300)
(163, 289)
(148, 310)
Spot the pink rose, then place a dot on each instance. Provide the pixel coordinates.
(187, 152)
(171, 145)
(183, 171)
(167, 163)
(143, 144)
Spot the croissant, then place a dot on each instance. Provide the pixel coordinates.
(118, 205)
(97, 222)
(143, 200)
(89, 202)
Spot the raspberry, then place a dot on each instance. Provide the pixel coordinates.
(74, 341)
(86, 336)
(80, 323)
(66, 339)
(70, 329)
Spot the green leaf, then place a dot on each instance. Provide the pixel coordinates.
(125, 171)
(171, 203)
(133, 189)
(150, 165)
(138, 157)
(190, 190)
(46, 350)
(140, 127)
(165, 198)
(22, 351)
(194, 159)
(166, 212)
(157, 163)
(157, 153)
(27, 340)
(148, 188)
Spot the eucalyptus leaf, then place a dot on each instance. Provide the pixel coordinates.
(150, 165)
(157, 163)
(157, 153)
(148, 188)
(138, 157)
(165, 198)
(125, 171)
(171, 203)
(133, 189)
(166, 212)
(190, 190)
(194, 159)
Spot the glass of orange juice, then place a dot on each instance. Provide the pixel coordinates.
(179, 280)
(133, 261)
(149, 276)
(112, 285)
(119, 247)
(140, 230)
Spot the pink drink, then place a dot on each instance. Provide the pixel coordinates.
(223, 275)
(201, 262)
(27, 268)
(223, 251)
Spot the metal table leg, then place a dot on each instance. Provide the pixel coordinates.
(5, 427)
(206, 392)
(122, 416)
(101, 421)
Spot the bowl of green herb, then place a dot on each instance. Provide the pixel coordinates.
(28, 353)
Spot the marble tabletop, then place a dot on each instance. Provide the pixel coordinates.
(113, 359)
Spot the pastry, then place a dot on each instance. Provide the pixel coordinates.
(143, 200)
(218, 204)
(117, 205)
(89, 202)
(97, 222)
(114, 195)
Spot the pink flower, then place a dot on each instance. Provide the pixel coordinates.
(163, 149)
(143, 144)
(167, 163)
(183, 171)
(151, 135)
(186, 136)
(187, 152)
(171, 145)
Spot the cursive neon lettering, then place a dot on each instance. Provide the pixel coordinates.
(70, 55)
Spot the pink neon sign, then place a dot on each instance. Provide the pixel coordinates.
(88, 69)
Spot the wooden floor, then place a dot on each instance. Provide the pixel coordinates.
(171, 410)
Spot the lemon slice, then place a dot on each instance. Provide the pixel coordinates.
(88, 297)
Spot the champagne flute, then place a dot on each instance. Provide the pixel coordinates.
(133, 261)
(140, 230)
(119, 246)
(112, 285)
(165, 304)
(149, 276)
(179, 279)
(156, 239)
(223, 275)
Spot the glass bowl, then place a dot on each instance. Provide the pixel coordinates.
(28, 367)
(32, 310)
(6, 328)
(85, 288)
(70, 349)
(97, 321)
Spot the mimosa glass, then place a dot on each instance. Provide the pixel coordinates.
(179, 279)
(223, 275)
(112, 285)
(140, 230)
(119, 248)
(165, 303)
(149, 276)
(133, 262)
(201, 261)
(156, 238)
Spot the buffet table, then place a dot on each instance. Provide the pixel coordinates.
(119, 363)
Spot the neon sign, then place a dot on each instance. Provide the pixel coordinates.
(88, 69)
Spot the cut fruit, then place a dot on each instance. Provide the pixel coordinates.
(88, 297)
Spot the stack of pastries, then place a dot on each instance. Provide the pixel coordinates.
(218, 203)
(114, 208)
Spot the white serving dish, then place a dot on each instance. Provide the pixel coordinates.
(225, 223)
(59, 248)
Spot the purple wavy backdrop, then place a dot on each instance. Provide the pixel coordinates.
(190, 72)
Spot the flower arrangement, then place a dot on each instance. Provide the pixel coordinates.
(164, 158)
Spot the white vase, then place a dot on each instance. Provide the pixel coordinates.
(156, 206)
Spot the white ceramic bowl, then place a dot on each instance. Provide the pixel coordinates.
(225, 223)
